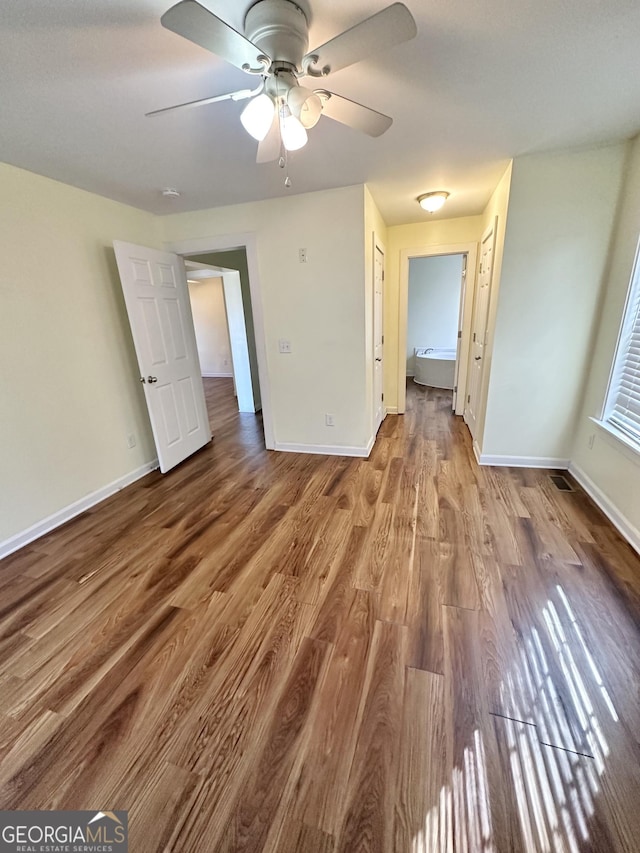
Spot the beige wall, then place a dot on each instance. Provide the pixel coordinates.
(561, 209)
(70, 391)
(419, 235)
(610, 467)
(210, 325)
(318, 306)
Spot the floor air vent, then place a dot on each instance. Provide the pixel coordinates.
(561, 483)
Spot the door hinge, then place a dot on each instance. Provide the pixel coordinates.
(383, 275)
(460, 333)
(383, 339)
(382, 396)
(474, 337)
(468, 398)
(455, 389)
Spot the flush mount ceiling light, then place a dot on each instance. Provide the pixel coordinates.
(274, 48)
(431, 202)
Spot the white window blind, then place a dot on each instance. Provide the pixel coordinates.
(623, 401)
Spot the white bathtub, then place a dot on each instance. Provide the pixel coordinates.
(435, 367)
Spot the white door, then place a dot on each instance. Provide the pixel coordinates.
(465, 259)
(479, 335)
(155, 293)
(378, 339)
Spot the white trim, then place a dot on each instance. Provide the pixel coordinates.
(490, 233)
(466, 298)
(18, 541)
(248, 240)
(377, 244)
(327, 449)
(476, 448)
(617, 439)
(392, 410)
(619, 521)
(217, 375)
(521, 461)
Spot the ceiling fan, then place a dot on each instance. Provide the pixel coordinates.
(274, 48)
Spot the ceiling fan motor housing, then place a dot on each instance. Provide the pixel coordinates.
(280, 29)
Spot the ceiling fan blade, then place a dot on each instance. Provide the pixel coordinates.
(192, 21)
(353, 114)
(269, 148)
(240, 95)
(391, 26)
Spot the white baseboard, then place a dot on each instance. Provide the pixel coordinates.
(619, 521)
(217, 375)
(326, 449)
(392, 410)
(67, 513)
(520, 461)
(476, 450)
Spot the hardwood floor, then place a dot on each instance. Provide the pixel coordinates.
(304, 654)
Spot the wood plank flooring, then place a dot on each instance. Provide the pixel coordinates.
(304, 654)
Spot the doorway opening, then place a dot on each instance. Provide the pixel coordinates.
(236, 255)
(433, 321)
(220, 298)
(436, 306)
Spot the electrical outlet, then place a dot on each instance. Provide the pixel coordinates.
(131, 440)
(302, 256)
(590, 441)
(329, 420)
(284, 346)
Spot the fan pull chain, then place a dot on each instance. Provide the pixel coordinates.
(283, 160)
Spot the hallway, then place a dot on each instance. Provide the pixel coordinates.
(276, 652)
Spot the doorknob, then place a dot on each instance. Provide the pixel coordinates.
(152, 379)
(478, 357)
(378, 359)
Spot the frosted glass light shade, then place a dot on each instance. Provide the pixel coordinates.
(432, 201)
(257, 116)
(305, 106)
(294, 135)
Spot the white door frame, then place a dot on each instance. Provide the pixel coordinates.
(379, 245)
(247, 241)
(466, 297)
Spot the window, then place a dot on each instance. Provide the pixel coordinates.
(622, 410)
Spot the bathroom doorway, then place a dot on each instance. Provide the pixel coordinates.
(436, 300)
(433, 319)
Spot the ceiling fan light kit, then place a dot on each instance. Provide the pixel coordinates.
(257, 116)
(294, 136)
(274, 46)
(432, 202)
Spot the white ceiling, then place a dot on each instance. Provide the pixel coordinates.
(482, 82)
